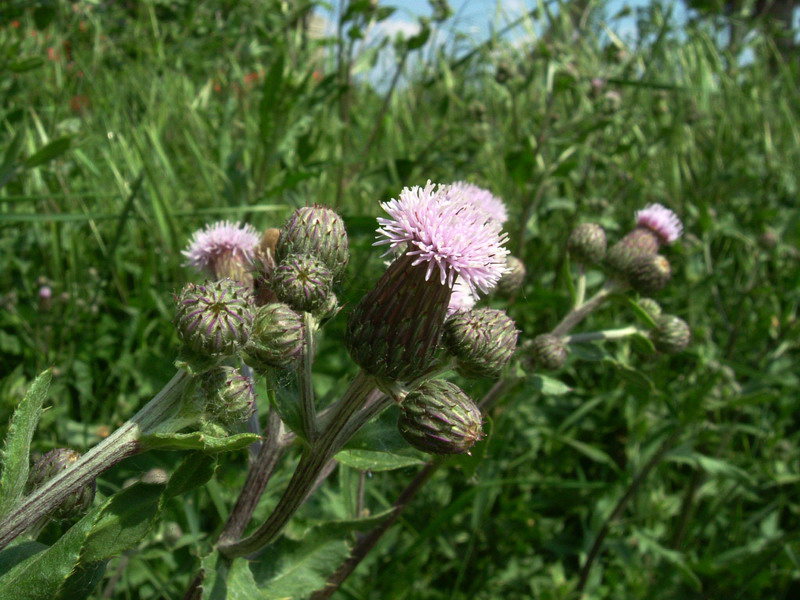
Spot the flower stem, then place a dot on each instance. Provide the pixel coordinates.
(305, 476)
(608, 334)
(116, 447)
(305, 377)
(576, 315)
(580, 288)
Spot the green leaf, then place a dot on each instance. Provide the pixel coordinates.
(295, 568)
(224, 580)
(16, 454)
(193, 472)
(41, 576)
(372, 460)
(197, 440)
(26, 64)
(48, 152)
(549, 386)
(15, 554)
(82, 581)
(123, 521)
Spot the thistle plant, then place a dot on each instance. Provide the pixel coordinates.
(419, 326)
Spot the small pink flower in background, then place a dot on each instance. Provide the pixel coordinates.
(222, 249)
(45, 297)
(483, 200)
(660, 220)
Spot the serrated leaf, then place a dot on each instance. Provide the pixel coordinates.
(16, 454)
(82, 581)
(549, 386)
(197, 440)
(41, 576)
(292, 569)
(372, 460)
(225, 580)
(123, 521)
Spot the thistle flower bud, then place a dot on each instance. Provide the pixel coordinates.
(482, 340)
(649, 273)
(214, 319)
(650, 306)
(316, 230)
(439, 418)
(302, 281)
(671, 335)
(229, 397)
(587, 243)
(263, 266)
(513, 278)
(277, 338)
(548, 352)
(393, 333)
(50, 465)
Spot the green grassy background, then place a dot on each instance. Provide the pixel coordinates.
(126, 126)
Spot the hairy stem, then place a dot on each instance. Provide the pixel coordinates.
(258, 476)
(308, 470)
(124, 442)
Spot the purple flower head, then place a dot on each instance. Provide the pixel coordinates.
(483, 199)
(440, 227)
(220, 243)
(461, 299)
(45, 292)
(661, 220)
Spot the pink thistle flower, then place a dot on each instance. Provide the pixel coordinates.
(483, 199)
(222, 249)
(443, 230)
(660, 220)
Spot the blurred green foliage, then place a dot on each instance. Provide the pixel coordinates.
(124, 126)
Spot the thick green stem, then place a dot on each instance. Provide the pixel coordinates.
(116, 447)
(608, 334)
(305, 476)
(305, 379)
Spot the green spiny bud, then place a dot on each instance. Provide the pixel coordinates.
(277, 339)
(671, 335)
(316, 230)
(649, 273)
(650, 306)
(50, 465)
(439, 418)
(513, 278)
(587, 243)
(483, 340)
(229, 397)
(214, 319)
(303, 282)
(548, 352)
